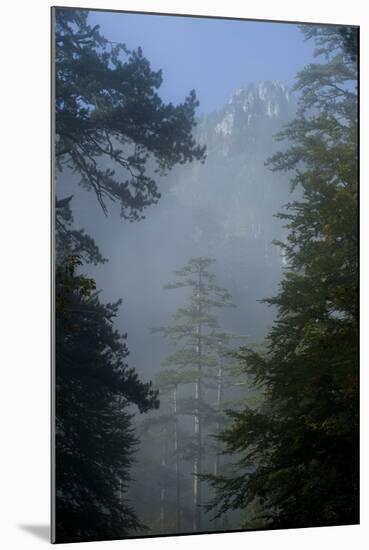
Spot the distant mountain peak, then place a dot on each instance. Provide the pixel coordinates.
(266, 99)
(263, 91)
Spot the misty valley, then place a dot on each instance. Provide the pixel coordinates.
(206, 282)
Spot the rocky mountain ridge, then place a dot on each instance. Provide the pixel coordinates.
(251, 115)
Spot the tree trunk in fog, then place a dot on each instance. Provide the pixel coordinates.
(217, 427)
(178, 488)
(197, 467)
(195, 334)
(163, 487)
(219, 408)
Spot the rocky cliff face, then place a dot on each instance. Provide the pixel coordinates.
(234, 190)
(225, 208)
(250, 105)
(222, 209)
(250, 118)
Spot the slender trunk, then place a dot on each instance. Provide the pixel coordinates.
(198, 460)
(163, 486)
(217, 427)
(219, 408)
(197, 467)
(178, 488)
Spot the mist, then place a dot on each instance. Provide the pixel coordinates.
(193, 266)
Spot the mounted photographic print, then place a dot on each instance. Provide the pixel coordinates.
(205, 275)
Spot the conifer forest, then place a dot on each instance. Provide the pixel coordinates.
(205, 275)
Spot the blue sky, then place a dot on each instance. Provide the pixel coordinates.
(210, 55)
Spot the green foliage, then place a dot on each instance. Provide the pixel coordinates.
(110, 126)
(298, 451)
(200, 351)
(110, 120)
(194, 331)
(94, 437)
(73, 242)
(168, 435)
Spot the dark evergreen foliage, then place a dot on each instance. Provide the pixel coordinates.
(298, 453)
(94, 438)
(295, 443)
(196, 362)
(110, 120)
(110, 125)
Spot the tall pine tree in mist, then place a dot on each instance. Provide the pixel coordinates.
(297, 455)
(197, 337)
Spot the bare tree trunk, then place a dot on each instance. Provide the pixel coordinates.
(178, 487)
(219, 409)
(163, 486)
(217, 427)
(197, 467)
(197, 460)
